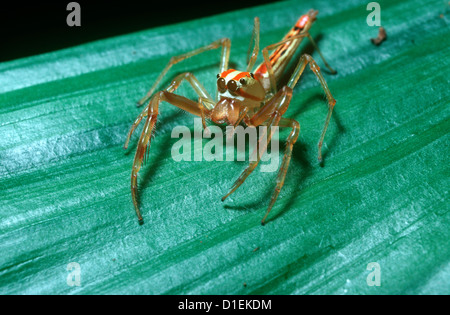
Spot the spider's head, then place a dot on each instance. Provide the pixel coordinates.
(242, 86)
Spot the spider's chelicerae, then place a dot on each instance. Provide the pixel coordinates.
(246, 97)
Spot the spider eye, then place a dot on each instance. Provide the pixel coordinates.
(232, 86)
(243, 82)
(221, 86)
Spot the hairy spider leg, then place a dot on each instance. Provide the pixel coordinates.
(255, 38)
(225, 43)
(292, 138)
(305, 60)
(205, 99)
(151, 112)
(270, 115)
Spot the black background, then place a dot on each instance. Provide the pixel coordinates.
(33, 27)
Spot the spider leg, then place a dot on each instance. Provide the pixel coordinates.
(207, 103)
(151, 112)
(225, 43)
(134, 126)
(255, 37)
(292, 138)
(269, 114)
(143, 145)
(305, 60)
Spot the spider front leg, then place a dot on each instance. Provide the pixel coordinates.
(151, 112)
(292, 138)
(270, 114)
(305, 60)
(205, 100)
(143, 145)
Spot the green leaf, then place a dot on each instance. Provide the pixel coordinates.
(380, 196)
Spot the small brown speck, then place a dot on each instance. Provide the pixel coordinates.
(381, 36)
(245, 284)
(256, 249)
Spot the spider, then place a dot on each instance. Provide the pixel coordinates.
(244, 97)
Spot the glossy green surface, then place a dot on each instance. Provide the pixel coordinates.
(381, 195)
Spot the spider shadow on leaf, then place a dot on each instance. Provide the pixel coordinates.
(333, 141)
(298, 155)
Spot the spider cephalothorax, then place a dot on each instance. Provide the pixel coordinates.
(237, 91)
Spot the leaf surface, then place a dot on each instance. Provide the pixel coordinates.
(380, 196)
